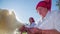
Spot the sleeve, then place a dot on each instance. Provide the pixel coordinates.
(38, 24)
(33, 25)
(27, 25)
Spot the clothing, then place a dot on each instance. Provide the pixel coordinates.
(50, 21)
(31, 26)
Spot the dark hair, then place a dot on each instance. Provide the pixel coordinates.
(32, 19)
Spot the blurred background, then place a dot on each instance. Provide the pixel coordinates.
(24, 8)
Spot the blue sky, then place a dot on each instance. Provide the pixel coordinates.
(24, 8)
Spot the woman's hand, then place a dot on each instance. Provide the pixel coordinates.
(35, 31)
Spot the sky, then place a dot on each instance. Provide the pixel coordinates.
(24, 8)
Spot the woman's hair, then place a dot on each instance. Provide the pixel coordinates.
(31, 18)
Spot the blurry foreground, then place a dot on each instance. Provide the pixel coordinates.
(8, 22)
